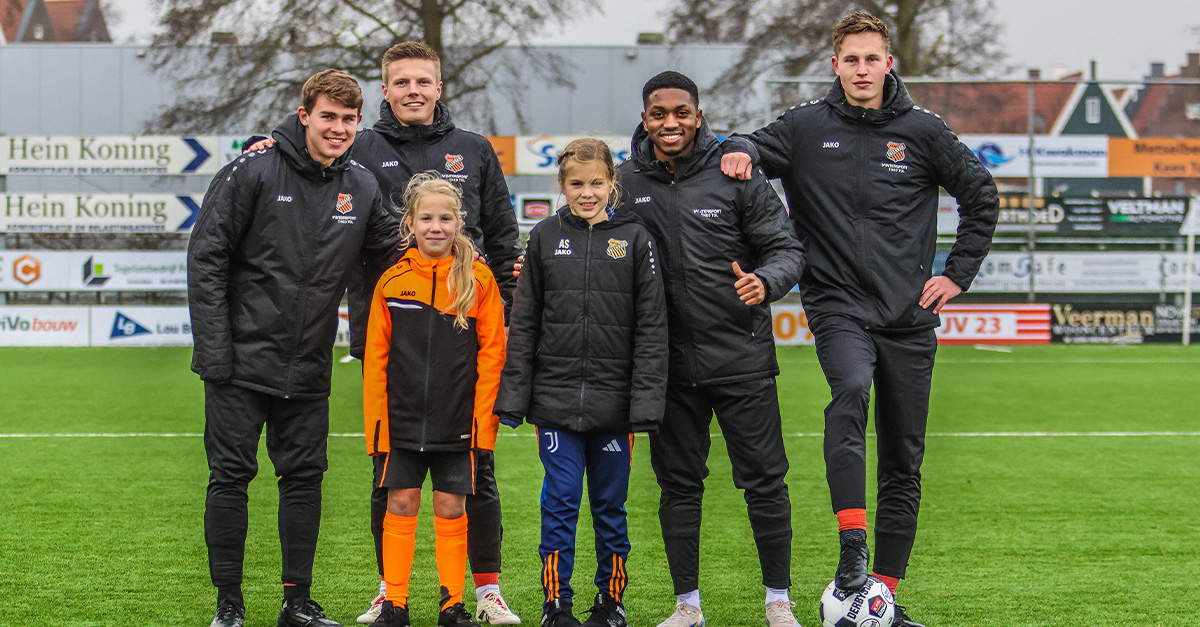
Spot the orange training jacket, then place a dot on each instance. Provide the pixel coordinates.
(429, 385)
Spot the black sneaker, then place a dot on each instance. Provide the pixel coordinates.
(229, 614)
(852, 566)
(304, 612)
(902, 619)
(558, 614)
(606, 612)
(456, 616)
(392, 616)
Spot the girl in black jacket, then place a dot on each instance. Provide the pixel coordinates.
(586, 364)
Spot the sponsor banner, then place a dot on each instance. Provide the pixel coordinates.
(1118, 216)
(1095, 273)
(141, 326)
(994, 324)
(506, 152)
(533, 208)
(1075, 323)
(106, 155)
(92, 270)
(790, 324)
(43, 326)
(1075, 156)
(97, 213)
(539, 154)
(1170, 158)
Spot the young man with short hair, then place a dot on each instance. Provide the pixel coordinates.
(416, 134)
(268, 261)
(861, 169)
(726, 251)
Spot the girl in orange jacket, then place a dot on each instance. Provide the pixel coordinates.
(434, 351)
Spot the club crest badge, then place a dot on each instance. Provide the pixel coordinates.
(454, 163)
(343, 203)
(895, 151)
(617, 248)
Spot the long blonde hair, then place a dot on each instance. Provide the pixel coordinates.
(461, 282)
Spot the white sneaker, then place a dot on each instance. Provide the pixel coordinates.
(779, 614)
(491, 608)
(369, 616)
(685, 615)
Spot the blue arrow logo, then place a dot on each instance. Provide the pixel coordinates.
(192, 207)
(125, 327)
(201, 155)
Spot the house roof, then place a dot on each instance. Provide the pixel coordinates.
(1161, 110)
(995, 108)
(65, 14)
(11, 13)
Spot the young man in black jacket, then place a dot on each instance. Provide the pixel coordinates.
(726, 250)
(861, 169)
(268, 261)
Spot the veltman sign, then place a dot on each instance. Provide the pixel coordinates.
(109, 155)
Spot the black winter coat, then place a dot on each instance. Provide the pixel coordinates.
(862, 185)
(587, 340)
(268, 262)
(703, 221)
(394, 153)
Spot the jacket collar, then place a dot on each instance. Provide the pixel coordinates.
(685, 166)
(896, 101)
(389, 126)
(290, 138)
(426, 267)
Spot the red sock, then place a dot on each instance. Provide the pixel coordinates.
(852, 519)
(486, 579)
(890, 582)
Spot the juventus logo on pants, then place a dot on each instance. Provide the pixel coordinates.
(552, 441)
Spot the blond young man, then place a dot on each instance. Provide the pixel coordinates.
(861, 169)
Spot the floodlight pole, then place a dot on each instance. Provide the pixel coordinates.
(1189, 267)
(1033, 76)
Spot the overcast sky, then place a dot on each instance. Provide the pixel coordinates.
(1056, 36)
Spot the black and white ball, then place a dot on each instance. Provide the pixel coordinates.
(873, 606)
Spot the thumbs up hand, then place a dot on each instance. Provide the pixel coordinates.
(749, 287)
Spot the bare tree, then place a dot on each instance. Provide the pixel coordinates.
(250, 85)
(792, 38)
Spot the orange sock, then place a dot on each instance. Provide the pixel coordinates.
(399, 542)
(890, 582)
(451, 549)
(852, 519)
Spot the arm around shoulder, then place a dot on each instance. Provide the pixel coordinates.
(768, 229)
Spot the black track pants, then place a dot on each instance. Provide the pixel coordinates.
(901, 367)
(297, 432)
(748, 414)
(484, 528)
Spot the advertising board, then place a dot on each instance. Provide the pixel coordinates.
(92, 270)
(538, 154)
(1074, 156)
(97, 213)
(994, 324)
(1078, 272)
(1091, 323)
(44, 326)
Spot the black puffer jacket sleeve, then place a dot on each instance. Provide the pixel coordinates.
(769, 147)
(381, 250)
(769, 232)
(524, 335)
(959, 171)
(649, 394)
(225, 214)
(498, 222)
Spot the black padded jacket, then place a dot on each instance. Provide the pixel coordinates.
(587, 340)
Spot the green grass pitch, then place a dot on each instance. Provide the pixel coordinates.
(1024, 530)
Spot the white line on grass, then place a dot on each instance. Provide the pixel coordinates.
(982, 434)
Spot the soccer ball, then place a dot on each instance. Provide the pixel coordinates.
(873, 606)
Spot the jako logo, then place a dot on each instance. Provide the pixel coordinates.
(93, 273)
(126, 327)
(543, 147)
(283, 198)
(26, 269)
(831, 145)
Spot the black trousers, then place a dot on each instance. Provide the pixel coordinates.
(901, 367)
(748, 414)
(297, 432)
(484, 528)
